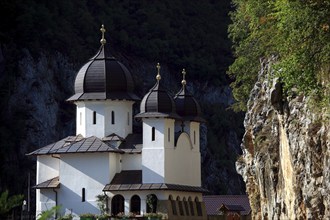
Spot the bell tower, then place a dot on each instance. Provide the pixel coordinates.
(104, 96)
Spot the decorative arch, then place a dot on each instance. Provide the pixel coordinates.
(117, 204)
(135, 206)
(191, 206)
(186, 208)
(180, 205)
(198, 207)
(173, 205)
(151, 205)
(182, 139)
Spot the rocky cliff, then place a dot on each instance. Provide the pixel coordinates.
(286, 153)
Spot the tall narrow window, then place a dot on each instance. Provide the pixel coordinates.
(127, 118)
(194, 137)
(80, 118)
(83, 195)
(168, 134)
(94, 117)
(112, 117)
(153, 134)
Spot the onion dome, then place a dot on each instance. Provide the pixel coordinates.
(186, 105)
(157, 102)
(103, 77)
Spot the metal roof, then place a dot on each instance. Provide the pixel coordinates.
(103, 77)
(187, 106)
(49, 184)
(130, 180)
(157, 103)
(131, 141)
(233, 208)
(77, 144)
(214, 202)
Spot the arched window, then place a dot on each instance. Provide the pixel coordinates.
(191, 205)
(135, 205)
(151, 201)
(83, 195)
(117, 204)
(199, 207)
(185, 203)
(153, 135)
(173, 204)
(94, 117)
(180, 205)
(112, 117)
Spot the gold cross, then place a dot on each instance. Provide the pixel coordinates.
(183, 82)
(158, 77)
(103, 40)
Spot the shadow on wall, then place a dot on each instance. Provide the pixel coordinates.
(71, 202)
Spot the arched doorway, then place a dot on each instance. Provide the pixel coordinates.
(117, 204)
(135, 205)
(151, 203)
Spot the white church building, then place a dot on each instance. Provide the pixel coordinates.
(106, 157)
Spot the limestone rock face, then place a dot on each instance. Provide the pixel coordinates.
(286, 153)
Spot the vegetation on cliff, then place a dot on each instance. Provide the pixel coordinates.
(296, 32)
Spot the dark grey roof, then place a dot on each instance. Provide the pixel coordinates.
(127, 177)
(157, 103)
(214, 202)
(234, 208)
(77, 144)
(49, 184)
(130, 142)
(187, 106)
(130, 180)
(103, 77)
(153, 186)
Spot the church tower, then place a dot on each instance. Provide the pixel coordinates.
(104, 96)
(158, 114)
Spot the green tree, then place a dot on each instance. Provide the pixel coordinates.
(296, 32)
(7, 203)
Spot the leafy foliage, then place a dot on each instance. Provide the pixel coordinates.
(295, 31)
(7, 203)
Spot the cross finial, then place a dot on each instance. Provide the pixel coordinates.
(158, 77)
(103, 40)
(184, 82)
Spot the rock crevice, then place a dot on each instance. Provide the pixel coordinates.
(286, 148)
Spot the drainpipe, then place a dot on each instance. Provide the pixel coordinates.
(55, 202)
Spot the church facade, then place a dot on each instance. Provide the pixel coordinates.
(158, 170)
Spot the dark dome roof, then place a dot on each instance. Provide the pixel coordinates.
(103, 77)
(187, 106)
(157, 103)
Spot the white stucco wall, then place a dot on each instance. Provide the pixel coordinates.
(86, 170)
(182, 164)
(122, 118)
(131, 161)
(47, 168)
(45, 200)
(153, 151)
(164, 162)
